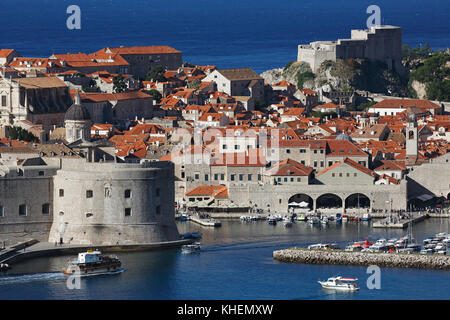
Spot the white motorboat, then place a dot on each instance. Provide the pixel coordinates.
(191, 248)
(313, 220)
(340, 284)
(301, 217)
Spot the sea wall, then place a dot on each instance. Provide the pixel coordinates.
(337, 257)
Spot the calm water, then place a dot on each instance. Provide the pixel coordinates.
(235, 263)
(261, 34)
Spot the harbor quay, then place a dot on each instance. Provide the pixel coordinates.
(32, 249)
(339, 257)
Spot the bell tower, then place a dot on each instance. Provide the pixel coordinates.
(411, 136)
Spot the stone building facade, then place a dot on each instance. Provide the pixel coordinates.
(379, 43)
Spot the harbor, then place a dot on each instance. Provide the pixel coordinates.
(238, 252)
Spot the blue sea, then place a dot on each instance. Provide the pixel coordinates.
(235, 263)
(261, 34)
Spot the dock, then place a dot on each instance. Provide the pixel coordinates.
(399, 223)
(209, 222)
(33, 248)
(339, 257)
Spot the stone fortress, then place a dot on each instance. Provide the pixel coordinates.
(380, 43)
(82, 193)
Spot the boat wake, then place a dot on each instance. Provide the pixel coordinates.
(103, 273)
(46, 276)
(31, 277)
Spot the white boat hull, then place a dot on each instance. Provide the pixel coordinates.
(348, 288)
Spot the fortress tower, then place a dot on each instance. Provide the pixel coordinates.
(379, 43)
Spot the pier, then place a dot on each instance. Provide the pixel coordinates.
(209, 222)
(33, 248)
(396, 223)
(339, 257)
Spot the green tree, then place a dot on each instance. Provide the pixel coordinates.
(194, 84)
(119, 84)
(156, 74)
(156, 95)
(17, 133)
(304, 76)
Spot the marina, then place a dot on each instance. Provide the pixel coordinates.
(235, 262)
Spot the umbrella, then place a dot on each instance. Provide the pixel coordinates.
(304, 204)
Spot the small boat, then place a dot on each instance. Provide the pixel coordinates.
(301, 217)
(344, 218)
(191, 248)
(4, 267)
(287, 222)
(196, 235)
(313, 220)
(340, 284)
(245, 218)
(93, 263)
(366, 217)
(324, 220)
(272, 221)
(183, 217)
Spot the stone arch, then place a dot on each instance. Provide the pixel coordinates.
(329, 201)
(298, 198)
(357, 200)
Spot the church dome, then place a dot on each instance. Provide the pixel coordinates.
(343, 136)
(77, 112)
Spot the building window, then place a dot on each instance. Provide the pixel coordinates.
(182, 174)
(46, 208)
(330, 163)
(259, 177)
(89, 214)
(237, 147)
(288, 150)
(61, 193)
(196, 176)
(2, 213)
(302, 150)
(22, 210)
(299, 179)
(224, 147)
(232, 177)
(302, 162)
(41, 173)
(321, 164)
(348, 174)
(89, 193)
(285, 179)
(3, 101)
(158, 209)
(333, 174)
(355, 174)
(292, 179)
(315, 151)
(249, 177)
(206, 177)
(127, 212)
(158, 191)
(315, 163)
(216, 176)
(127, 193)
(340, 174)
(241, 177)
(222, 176)
(321, 151)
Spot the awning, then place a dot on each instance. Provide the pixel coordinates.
(424, 197)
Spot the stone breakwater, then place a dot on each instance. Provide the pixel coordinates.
(337, 257)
